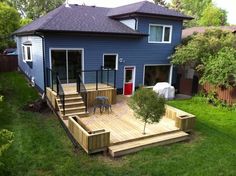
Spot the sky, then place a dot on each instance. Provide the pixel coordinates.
(228, 5)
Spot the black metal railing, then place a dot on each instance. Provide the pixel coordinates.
(60, 93)
(102, 77)
(82, 90)
(51, 79)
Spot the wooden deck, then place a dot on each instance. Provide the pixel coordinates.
(119, 132)
(122, 124)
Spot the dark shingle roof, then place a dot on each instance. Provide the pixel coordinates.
(145, 7)
(190, 31)
(80, 18)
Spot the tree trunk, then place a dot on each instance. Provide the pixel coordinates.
(144, 127)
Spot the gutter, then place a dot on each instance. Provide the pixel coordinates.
(44, 62)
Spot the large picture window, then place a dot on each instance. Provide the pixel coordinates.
(156, 73)
(160, 33)
(110, 61)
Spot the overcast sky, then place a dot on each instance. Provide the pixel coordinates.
(228, 5)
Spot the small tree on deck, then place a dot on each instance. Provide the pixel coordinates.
(147, 105)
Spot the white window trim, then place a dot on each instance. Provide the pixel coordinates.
(25, 53)
(109, 54)
(59, 49)
(170, 73)
(163, 32)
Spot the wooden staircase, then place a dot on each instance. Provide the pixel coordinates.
(74, 105)
(128, 147)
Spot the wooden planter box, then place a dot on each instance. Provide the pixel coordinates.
(185, 123)
(183, 120)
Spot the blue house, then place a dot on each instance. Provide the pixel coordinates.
(123, 47)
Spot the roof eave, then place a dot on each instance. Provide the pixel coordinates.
(78, 32)
(135, 14)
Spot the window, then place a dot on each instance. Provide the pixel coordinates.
(156, 73)
(27, 53)
(160, 33)
(110, 61)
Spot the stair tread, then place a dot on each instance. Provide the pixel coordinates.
(71, 98)
(71, 103)
(75, 113)
(79, 108)
(147, 141)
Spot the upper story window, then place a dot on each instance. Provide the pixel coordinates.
(160, 33)
(110, 61)
(27, 51)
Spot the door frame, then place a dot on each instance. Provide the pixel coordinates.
(134, 77)
(59, 49)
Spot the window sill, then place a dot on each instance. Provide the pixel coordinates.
(26, 61)
(159, 42)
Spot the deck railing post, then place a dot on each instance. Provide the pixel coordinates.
(101, 74)
(57, 84)
(63, 103)
(108, 77)
(96, 79)
(51, 78)
(86, 103)
(114, 78)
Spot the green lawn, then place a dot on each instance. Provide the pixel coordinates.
(41, 146)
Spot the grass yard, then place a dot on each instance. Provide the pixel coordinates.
(41, 146)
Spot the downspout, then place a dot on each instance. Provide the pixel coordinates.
(44, 61)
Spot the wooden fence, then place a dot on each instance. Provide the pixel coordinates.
(8, 63)
(227, 95)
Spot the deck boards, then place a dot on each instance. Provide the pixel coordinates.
(123, 125)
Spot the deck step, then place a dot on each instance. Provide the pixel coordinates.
(71, 98)
(71, 103)
(74, 109)
(80, 114)
(134, 146)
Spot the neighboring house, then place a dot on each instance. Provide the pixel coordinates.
(136, 40)
(187, 78)
(190, 31)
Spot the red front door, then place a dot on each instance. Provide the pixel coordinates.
(129, 81)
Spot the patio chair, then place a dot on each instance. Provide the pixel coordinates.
(98, 103)
(107, 105)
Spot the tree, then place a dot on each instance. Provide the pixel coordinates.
(161, 2)
(192, 8)
(213, 16)
(25, 21)
(206, 52)
(220, 70)
(147, 105)
(9, 22)
(205, 13)
(33, 9)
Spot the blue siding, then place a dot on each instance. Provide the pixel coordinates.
(136, 51)
(34, 68)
